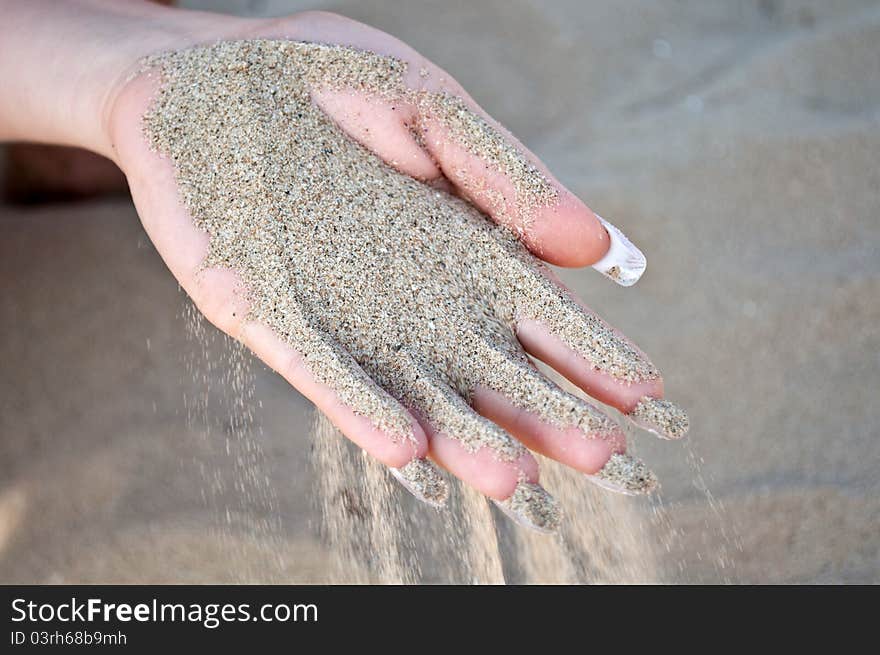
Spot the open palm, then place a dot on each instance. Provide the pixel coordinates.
(457, 385)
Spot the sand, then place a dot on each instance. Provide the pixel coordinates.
(742, 158)
(662, 417)
(626, 474)
(391, 289)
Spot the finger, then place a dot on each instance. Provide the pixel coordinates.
(398, 442)
(550, 220)
(395, 439)
(506, 180)
(497, 174)
(511, 392)
(474, 449)
(466, 444)
(620, 472)
(556, 327)
(424, 123)
(641, 401)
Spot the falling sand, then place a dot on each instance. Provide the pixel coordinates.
(375, 537)
(394, 293)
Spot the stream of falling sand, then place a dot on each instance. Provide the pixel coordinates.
(223, 412)
(378, 533)
(375, 540)
(378, 537)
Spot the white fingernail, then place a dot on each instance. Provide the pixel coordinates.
(422, 479)
(623, 263)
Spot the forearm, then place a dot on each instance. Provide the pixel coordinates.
(61, 63)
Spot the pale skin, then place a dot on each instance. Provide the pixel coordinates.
(66, 72)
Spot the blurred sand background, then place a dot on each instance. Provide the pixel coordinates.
(738, 143)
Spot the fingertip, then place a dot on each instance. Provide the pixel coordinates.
(531, 506)
(391, 452)
(483, 469)
(567, 233)
(584, 451)
(538, 340)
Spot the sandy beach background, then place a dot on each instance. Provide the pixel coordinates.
(737, 143)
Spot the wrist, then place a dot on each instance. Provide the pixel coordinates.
(63, 64)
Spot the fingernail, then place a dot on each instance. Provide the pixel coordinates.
(625, 474)
(623, 263)
(422, 479)
(532, 507)
(661, 417)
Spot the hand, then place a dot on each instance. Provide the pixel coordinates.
(516, 407)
